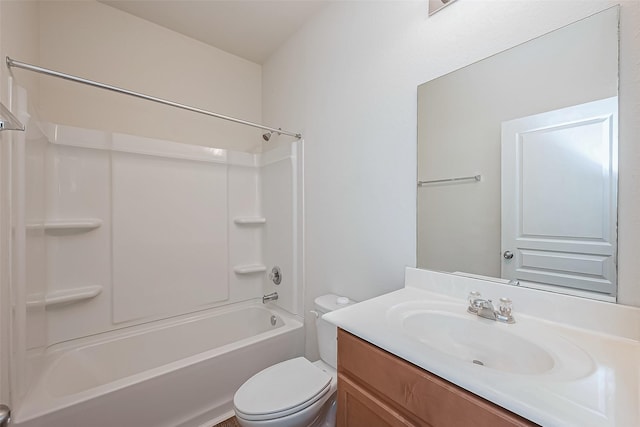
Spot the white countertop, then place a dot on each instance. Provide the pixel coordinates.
(605, 394)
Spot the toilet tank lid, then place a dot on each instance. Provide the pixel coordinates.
(331, 302)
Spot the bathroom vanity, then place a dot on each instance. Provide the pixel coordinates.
(376, 388)
(416, 356)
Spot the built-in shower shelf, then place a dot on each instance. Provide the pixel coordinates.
(249, 220)
(84, 224)
(249, 268)
(66, 296)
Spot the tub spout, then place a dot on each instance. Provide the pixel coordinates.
(273, 296)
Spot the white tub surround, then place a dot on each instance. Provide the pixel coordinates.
(140, 266)
(124, 217)
(180, 372)
(592, 378)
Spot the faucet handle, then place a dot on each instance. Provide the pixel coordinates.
(506, 306)
(474, 297)
(505, 311)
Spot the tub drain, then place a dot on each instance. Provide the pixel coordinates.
(477, 362)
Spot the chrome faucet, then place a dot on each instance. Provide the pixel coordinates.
(485, 308)
(273, 296)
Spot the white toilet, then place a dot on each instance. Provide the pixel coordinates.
(296, 392)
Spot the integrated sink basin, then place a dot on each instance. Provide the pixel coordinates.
(521, 348)
(482, 342)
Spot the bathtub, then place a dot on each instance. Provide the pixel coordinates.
(176, 373)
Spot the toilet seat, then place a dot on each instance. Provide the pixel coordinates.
(281, 390)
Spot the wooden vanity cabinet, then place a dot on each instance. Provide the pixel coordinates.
(377, 389)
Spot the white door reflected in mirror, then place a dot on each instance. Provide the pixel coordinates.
(559, 194)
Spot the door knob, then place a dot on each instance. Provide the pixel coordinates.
(507, 255)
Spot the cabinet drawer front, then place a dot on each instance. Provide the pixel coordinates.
(430, 398)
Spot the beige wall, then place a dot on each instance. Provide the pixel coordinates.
(95, 41)
(19, 39)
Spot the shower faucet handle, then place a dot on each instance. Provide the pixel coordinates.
(276, 275)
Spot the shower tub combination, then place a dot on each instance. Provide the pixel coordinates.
(136, 300)
(176, 373)
(176, 324)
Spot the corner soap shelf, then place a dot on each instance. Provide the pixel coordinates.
(249, 268)
(249, 220)
(83, 224)
(67, 296)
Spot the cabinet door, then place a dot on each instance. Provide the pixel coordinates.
(359, 408)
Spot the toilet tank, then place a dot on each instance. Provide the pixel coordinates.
(328, 333)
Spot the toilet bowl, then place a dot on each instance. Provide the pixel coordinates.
(296, 392)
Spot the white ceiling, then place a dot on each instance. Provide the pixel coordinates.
(251, 29)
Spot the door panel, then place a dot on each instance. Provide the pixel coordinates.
(559, 197)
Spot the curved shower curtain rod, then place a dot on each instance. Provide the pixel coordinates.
(17, 64)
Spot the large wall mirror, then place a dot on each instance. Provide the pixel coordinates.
(517, 163)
